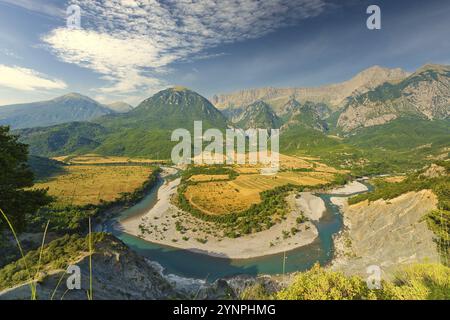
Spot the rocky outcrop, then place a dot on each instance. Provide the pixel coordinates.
(388, 234)
(424, 94)
(117, 273)
(434, 171)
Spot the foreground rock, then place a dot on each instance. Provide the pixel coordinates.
(118, 273)
(385, 233)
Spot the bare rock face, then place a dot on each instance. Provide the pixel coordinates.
(434, 171)
(424, 94)
(388, 234)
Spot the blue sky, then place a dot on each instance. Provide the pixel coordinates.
(129, 49)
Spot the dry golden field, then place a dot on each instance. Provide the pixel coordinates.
(98, 159)
(84, 184)
(208, 177)
(394, 179)
(222, 197)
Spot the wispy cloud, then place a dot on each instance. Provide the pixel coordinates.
(9, 53)
(132, 42)
(41, 6)
(27, 79)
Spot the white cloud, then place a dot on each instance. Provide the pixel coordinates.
(132, 42)
(27, 79)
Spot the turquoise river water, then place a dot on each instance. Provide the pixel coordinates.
(194, 265)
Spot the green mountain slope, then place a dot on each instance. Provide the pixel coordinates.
(309, 114)
(168, 110)
(145, 131)
(397, 146)
(64, 139)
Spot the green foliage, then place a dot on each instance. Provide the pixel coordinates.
(342, 179)
(400, 145)
(15, 177)
(44, 168)
(58, 254)
(257, 291)
(318, 284)
(208, 170)
(258, 217)
(421, 281)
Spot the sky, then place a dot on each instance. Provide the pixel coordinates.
(127, 50)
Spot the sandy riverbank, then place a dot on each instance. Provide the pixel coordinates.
(159, 225)
(349, 188)
(312, 206)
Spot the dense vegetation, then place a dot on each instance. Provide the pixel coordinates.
(15, 176)
(421, 281)
(44, 168)
(144, 131)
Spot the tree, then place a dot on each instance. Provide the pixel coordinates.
(16, 200)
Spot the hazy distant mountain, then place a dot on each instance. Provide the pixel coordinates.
(424, 94)
(70, 107)
(120, 107)
(334, 95)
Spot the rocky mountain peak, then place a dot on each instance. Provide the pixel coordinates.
(423, 94)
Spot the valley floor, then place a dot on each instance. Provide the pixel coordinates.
(159, 225)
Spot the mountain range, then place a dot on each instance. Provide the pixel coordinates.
(334, 95)
(406, 110)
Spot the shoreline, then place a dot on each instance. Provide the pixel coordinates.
(164, 216)
(161, 225)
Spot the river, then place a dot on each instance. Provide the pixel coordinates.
(199, 266)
